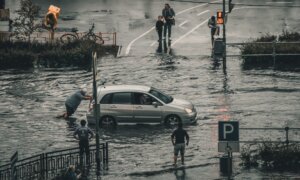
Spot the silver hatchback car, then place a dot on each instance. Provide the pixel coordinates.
(140, 104)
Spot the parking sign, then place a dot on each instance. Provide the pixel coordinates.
(228, 131)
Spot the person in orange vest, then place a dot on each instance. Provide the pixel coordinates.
(51, 20)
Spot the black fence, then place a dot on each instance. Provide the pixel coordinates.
(284, 135)
(48, 165)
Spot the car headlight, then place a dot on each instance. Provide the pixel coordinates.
(187, 110)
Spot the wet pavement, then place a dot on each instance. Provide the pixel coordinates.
(30, 100)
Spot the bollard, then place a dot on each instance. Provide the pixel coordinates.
(287, 136)
(218, 48)
(274, 53)
(225, 164)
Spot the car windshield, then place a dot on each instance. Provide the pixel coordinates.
(163, 97)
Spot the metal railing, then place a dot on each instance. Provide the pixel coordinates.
(273, 49)
(286, 138)
(43, 37)
(48, 165)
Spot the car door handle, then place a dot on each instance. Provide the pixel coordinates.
(138, 107)
(113, 106)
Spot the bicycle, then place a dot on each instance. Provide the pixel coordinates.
(74, 36)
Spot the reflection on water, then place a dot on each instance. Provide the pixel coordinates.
(180, 173)
(164, 46)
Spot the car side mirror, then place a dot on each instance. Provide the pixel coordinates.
(155, 104)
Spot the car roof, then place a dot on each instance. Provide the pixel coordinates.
(119, 88)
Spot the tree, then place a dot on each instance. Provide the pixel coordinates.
(25, 24)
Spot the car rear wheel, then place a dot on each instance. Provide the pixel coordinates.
(172, 120)
(107, 121)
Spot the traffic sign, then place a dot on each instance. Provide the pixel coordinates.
(228, 146)
(228, 131)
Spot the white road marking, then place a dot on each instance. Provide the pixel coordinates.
(249, 8)
(203, 12)
(277, 2)
(188, 33)
(133, 41)
(153, 43)
(183, 11)
(180, 25)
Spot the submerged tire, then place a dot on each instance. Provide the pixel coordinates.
(172, 119)
(108, 121)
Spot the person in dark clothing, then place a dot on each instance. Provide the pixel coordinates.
(84, 134)
(179, 145)
(214, 29)
(74, 101)
(159, 27)
(70, 174)
(168, 14)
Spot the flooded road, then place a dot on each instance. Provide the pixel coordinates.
(31, 99)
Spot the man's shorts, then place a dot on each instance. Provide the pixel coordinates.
(70, 110)
(179, 147)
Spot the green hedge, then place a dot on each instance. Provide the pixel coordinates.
(26, 55)
(281, 62)
(272, 156)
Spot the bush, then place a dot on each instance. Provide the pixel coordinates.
(17, 59)
(281, 62)
(274, 156)
(22, 54)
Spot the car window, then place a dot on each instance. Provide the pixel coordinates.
(143, 99)
(106, 99)
(163, 97)
(121, 98)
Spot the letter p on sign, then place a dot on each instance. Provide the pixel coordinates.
(228, 130)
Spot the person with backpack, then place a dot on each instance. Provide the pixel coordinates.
(214, 29)
(168, 14)
(84, 134)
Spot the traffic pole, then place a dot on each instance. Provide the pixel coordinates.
(224, 36)
(2, 4)
(96, 113)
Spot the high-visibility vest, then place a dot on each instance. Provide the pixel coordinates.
(220, 19)
(55, 11)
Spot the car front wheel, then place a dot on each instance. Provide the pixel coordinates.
(172, 120)
(107, 121)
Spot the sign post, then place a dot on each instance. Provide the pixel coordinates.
(228, 143)
(96, 112)
(13, 161)
(224, 37)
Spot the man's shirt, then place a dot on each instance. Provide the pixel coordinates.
(74, 100)
(83, 133)
(179, 135)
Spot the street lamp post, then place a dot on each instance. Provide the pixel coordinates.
(224, 35)
(96, 113)
(2, 4)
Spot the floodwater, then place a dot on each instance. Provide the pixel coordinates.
(31, 99)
